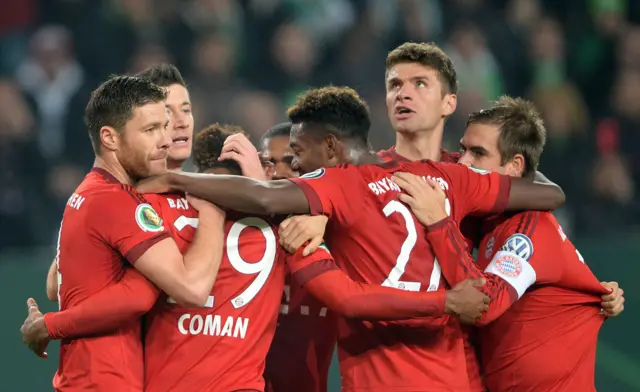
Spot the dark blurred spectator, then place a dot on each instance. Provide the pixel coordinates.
(22, 174)
(52, 78)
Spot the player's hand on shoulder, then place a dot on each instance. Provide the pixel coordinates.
(296, 230)
(425, 197)
(156, 184)
(34, 331)
(239, 148)
(208, 213)
(466, 301)
(612, 303)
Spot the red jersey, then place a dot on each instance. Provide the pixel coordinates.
(222, 347)
(546, 340)
(382, 246)
(105, 224)
(302, 349)
(471, 228)
(181, 220)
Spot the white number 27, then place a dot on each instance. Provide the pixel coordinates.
(393, 279)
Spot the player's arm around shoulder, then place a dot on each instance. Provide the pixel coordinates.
(535, 194)
(188, 279)
(233, 192)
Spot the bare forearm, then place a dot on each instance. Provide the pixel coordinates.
(203, 258)
(244, 194)
(528, 195)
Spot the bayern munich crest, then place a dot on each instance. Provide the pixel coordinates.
(509, 265)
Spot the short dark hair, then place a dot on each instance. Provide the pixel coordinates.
(163, 74)
(430, 56)
(113, 104)
(282, 129)
(339, 109)
(521, 130)
(207, 147)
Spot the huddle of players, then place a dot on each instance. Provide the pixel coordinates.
(330, 126)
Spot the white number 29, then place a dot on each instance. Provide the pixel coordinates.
(261, 269)
(393, 280)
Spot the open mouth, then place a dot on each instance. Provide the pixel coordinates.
(403, 110)
(180, 140)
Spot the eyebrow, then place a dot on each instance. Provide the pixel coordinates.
(413, 78)
(156, 124)
(476, 149)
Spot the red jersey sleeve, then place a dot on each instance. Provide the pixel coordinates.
(128, 223)
(534, 250)
(475, 191)
(106, 310)
(457, 264)
(322, 278)
(330, 192)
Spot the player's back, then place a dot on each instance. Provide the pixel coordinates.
(90, 258)
(376, 239)
(222, 347)
(302, 349)
(547, 339)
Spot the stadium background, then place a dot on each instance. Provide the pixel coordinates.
(246, 60)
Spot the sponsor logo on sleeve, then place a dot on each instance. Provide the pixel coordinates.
(519, 244)
(314, 174)
(148, 219)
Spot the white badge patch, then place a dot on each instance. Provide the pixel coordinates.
(514, 269)
(314, 174)
(148, 219)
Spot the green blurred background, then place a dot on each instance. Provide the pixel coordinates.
(618, 367)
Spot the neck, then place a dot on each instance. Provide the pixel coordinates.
(362, 157)
(174, 165)
(420, 145)
(114, 168)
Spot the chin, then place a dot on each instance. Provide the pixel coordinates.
(179, 157)
(157, 167)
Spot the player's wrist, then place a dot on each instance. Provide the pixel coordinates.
(438, 224)
(43, 328)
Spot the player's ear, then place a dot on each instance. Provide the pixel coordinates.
(331, 144)
(450, 102)
(515, 166)
(110, 138)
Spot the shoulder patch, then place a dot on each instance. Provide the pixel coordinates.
(508, 265)
(314, 174)
(519, 244)
(148, 219)
(477, 170)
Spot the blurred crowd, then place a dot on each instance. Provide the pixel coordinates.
(246, 60)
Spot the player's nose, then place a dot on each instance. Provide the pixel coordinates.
(465, 160)
(165, 140)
